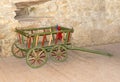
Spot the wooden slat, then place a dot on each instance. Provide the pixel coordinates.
(43, 41)
(23, 39)
(29, 42)
(51, 38)
(45, 34)
(63, 35)
(37, 38)
(69, 34)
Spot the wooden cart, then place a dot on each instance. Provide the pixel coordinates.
(34, 44)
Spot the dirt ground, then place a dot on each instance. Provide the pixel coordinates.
(79, 67)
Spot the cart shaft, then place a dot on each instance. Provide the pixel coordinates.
(88, 50)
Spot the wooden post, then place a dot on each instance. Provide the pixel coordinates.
(45, 36)
(22, 39)
(33, 41)
(43, 41)
(51, 38)
(68, 37)
(63, 37)
(29, 42)
(37, 38)
(56, 38)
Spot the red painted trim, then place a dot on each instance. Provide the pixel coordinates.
(29, 42)
(43, 41)
(45, 36)
(56, 40)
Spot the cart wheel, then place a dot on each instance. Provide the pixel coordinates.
(58, 53)
(17, 52)
(36, 57)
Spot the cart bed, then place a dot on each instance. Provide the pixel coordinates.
(46, 36)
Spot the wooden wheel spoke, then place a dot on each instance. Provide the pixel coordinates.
(30, 59)
(32, 62)
(31, 55)
(40, 53)
(23, 53)
(53, 54)
(36, 63)
(42, 60)
(15, 47)
(64, 52)
(58, 57)
(39, 61)
(17, 51)
(63, 55)
(35, 54)
(42, 56)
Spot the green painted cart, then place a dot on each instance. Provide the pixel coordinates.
(34, 44)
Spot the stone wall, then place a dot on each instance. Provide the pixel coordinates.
(94, 21)
(7, 25)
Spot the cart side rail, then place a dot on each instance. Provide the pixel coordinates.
(49, 35)
(22, 31)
